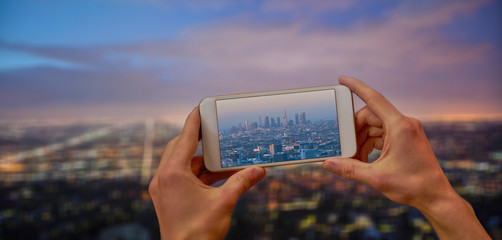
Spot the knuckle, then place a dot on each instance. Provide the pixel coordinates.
(169, 146)
(189, 139)
(375, 131)
(152, 187)
(417, 124)
(172, 142)
(378, 182)
(348, 171)
(374, 98)
(362, 112)
(168, 177)
(409, 126)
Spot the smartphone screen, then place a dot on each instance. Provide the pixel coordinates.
(277, 128)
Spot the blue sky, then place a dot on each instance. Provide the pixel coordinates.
(131, 58)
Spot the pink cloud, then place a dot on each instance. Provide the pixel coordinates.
(285, 48)
(404, 55)
(397, 55)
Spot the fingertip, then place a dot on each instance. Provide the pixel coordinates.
(187, 143)
(244, 179)
(329, 164)
(350, 82)
(192, 117)
(195, 110)
(255, 174)
(342, 79)
(259, 173)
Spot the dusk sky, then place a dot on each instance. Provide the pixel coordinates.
(318, 105)
(134, 59)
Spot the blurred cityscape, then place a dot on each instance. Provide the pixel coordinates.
(89, 181)
(272, 141)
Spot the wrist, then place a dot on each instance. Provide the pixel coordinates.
(440, 204)
(191, 231)
(453, 218)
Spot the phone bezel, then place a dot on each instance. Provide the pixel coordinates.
(210, 135)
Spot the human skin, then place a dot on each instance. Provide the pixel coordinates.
(407, 171)
(187, 206)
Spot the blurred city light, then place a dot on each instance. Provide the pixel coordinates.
(96, 187)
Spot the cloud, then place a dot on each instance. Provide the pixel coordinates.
(400, 50)
(405, 54)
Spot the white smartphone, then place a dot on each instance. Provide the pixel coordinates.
(277, 127)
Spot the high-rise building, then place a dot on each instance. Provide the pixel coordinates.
(297, 119)
(246, 124)
(267, 122)
(307, 150)
(275, 148)
(278, 122)
(260, 122)
(253, 126)
(273, 122)
(307, 153)
(303, 118)
(284, 119)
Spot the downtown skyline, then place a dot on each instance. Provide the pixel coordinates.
(318, 104)
(272, 121)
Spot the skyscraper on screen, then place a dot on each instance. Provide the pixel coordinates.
(284, 119)
(303, 118)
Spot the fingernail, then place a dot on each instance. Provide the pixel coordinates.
(328, 164)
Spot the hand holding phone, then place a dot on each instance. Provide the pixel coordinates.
(277, 128)
(187, 206)
(407, 170)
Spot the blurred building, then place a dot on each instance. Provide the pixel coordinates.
(85, 182)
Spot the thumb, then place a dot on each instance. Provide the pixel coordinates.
(349, 168)
(243, 180)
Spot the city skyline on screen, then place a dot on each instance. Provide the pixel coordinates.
(318, 105)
